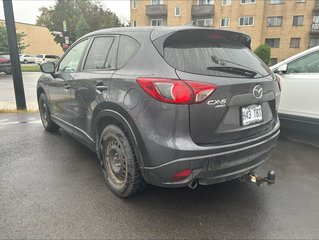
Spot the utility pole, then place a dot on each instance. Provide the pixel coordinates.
(14, 55)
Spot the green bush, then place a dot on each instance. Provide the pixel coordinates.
(263, 52)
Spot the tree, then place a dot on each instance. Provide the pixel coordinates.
(263, 52)
(82, 27)
(4, 46)
(70, 10)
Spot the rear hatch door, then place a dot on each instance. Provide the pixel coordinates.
(244, 103)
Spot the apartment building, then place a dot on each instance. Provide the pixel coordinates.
(288, 26)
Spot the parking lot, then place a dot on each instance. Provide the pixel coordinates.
(52, 187)
(7, 98)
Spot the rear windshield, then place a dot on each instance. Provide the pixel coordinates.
(39, 56)
(212, 54)
(52, 56)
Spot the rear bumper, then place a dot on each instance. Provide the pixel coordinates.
(300, 123)
(216, 165)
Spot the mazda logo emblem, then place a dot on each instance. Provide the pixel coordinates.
(258, 91)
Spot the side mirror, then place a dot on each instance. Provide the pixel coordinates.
(48, 67)
(282, 69)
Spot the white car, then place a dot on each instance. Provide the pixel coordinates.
(43, 58)
(299, 102)
(26, 58)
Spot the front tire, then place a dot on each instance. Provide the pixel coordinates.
(119, 164)
(25, 61)
(47, 122)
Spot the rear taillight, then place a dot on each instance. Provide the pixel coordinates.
(176, 91)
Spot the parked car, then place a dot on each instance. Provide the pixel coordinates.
(5, 63)
(43, 58)
(26, 58)
(171, 107)
(299, 76)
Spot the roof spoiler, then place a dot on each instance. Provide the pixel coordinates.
(161, 35)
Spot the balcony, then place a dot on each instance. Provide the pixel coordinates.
(316, 7)
(205, 10)
(158, 10)
(314, 29)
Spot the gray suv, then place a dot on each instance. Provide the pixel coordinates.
(165, 106)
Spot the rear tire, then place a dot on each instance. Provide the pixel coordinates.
(47, 122)
(25, 61)
(8, 72)
(119, 164)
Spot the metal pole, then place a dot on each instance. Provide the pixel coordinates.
(14, 55)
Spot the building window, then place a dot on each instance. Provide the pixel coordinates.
(297, 21)
(226, 2)
(273, 61)
(134, 24)
(315, 24)
(177, 11)
(300, 1)
(247, 1)
(157, 2)
(294, 42)
(204, 22)
(274, 21)
(276, 1)
(314, 41)
(224, 22)
(205, 2)
(273, 42)
(157, 22)
(134, 4)
(246, 21)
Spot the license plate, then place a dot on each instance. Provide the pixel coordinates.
(251, 114)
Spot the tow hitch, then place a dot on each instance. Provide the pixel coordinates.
(251, 177)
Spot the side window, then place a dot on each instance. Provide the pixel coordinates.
(127, 48)
(305, 64)
(72, 59)
(98, 55)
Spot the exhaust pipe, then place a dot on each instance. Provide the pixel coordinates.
(193, 184)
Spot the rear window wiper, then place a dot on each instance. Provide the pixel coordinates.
(235, 70)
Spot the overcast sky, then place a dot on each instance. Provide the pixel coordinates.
(27, 10)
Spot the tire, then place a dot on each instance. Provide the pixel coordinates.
(8, 71)
(25, 61)
(119, 164)
(47, 122)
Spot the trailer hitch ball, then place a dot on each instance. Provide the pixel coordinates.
(251, 177)
(271, 177)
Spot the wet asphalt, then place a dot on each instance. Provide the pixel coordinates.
(52, 187)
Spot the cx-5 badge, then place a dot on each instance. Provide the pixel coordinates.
(218, 103)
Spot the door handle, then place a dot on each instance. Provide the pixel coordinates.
(100, 88)
(67, 87)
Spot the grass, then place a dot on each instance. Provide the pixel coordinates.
(32, 68)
